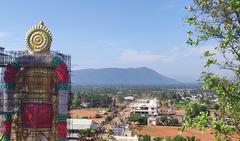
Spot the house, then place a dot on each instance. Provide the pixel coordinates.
(148, 107)
(75, 125)
(129, 98)
(124, 134)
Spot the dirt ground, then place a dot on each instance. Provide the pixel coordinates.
(89, 113)
(170, 131)
(180, 111)
(83, 113)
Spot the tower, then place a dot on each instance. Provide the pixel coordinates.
(36, 90)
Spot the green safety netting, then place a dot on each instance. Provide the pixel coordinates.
(7, 116)
(55, 62)
(15, 64)
(63, 86)
(9, 86)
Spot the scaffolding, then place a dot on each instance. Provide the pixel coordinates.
(37, 100)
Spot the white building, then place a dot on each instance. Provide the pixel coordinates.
(75, 125)
(125, 138)
(129, 98)
(80, 124)
(148, 107)
(126, 135)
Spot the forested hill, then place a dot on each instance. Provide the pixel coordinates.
(119, 76)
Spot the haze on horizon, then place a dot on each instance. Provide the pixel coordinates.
(110, 34)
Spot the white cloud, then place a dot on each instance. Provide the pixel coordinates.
(4, 34)
(175, 54)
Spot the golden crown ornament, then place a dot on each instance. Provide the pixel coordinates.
(38, 39)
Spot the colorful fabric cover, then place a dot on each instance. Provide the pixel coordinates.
(6, 127)
(10, 74)
(62, 130)
(37, 115)
(62, 73)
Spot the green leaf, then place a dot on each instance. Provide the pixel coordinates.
(207, 53)
(210, 62)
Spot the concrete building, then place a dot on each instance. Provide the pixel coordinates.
(148, 107)
(129, 98)
(125, 135)
(125, 138)
(75, 125)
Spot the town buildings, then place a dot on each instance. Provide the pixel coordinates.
(124, 134)
(148, 107)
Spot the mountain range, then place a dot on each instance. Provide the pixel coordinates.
(120, 76)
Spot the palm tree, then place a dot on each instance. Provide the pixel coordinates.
(82, 135)
(192, 138)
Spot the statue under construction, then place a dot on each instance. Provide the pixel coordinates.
(36, 87)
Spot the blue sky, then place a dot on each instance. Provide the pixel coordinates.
(109, 33)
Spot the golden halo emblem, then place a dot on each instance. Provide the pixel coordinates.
(38, 39)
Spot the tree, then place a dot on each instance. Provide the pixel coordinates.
(193, 109)
(145, 138)
(134, 117)
(160, 99)
(219, 21)
(164, 120)
(143, 120)
(173, 122)
(178, 138)
(216, 106)
(158, 139)
(192, 138)
(108, 119)
(138, 118)
(83, 134)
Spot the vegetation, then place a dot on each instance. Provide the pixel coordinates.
(91, 99)
(170, 122)
(218, 21)
(107, 120)
(145, 138)
(89, 133)
(142, 120)
(164, 120)
(109, 132)
(173, 122)
(176, 138)
(193, 109)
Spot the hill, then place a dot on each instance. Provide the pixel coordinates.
(120, 76)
